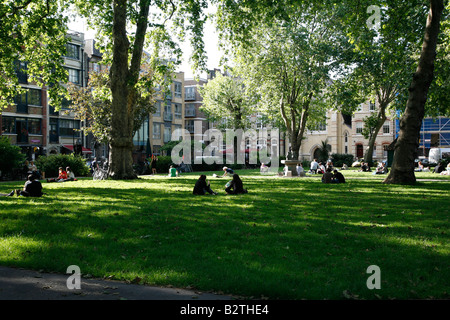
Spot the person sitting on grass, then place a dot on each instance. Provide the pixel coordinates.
(235, 186)
(327, 177)
(420, 167)
(321, 168)
(173, 172)
(364, 167)
(202, 186)
(338, 177)
(381, 169)
(447, 171)
(300, 170)
(70, 175)
(32, 188)
(314, 166)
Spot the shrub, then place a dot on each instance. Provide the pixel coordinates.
(10, 156)
(51, 164)
(163, 164)
(340, 158)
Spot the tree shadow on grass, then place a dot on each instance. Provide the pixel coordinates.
(287, 239)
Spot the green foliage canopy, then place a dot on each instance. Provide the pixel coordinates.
(32, 40)
(10, 155)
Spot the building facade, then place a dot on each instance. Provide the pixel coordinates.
(167, 118)
(32, 123)
(344, 136)
(64, 131)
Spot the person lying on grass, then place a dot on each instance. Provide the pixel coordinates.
(202, 186)
(235, 186)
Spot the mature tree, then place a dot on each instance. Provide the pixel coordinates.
(224, 97)
(438, 102)
(384, 59)
(287, 61)
(225, 102)
(92, 104)
(402, 171)
(127, 27)
(32, 41)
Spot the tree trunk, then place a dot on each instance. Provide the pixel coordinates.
(123, 81)
(121, 140)
(381, 118)
(402, 171)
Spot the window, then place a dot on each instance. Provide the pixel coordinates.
(34, 97)
(156, 131)
(167, 134)
(74, 76)
(259, 122)
(178, 133)
(30, 97)
(21, 71)
(8, 125)
(189, 93)
(190, 126)
(178, 89)
(54, 137)
(372, 106)
(73, 51)
(141, 135)
(178, 114)
(386, 127)
(190, 110)
(374, 153)
(21, 101)
(95, 67)
(322, 126)
(14, 125)
(34, 126)
(359, 127)
(168, 112)
(156, 149)
(69, 128)
(157, 112)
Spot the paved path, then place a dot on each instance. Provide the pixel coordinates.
(20, 284)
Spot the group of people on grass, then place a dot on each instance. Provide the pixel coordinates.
(33, 187)
(63, 175)
(234, 186)
(320, 167)
(333, 176)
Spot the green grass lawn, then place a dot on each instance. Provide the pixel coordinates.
(288, 238)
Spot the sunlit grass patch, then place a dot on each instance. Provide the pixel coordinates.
(289, 238)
